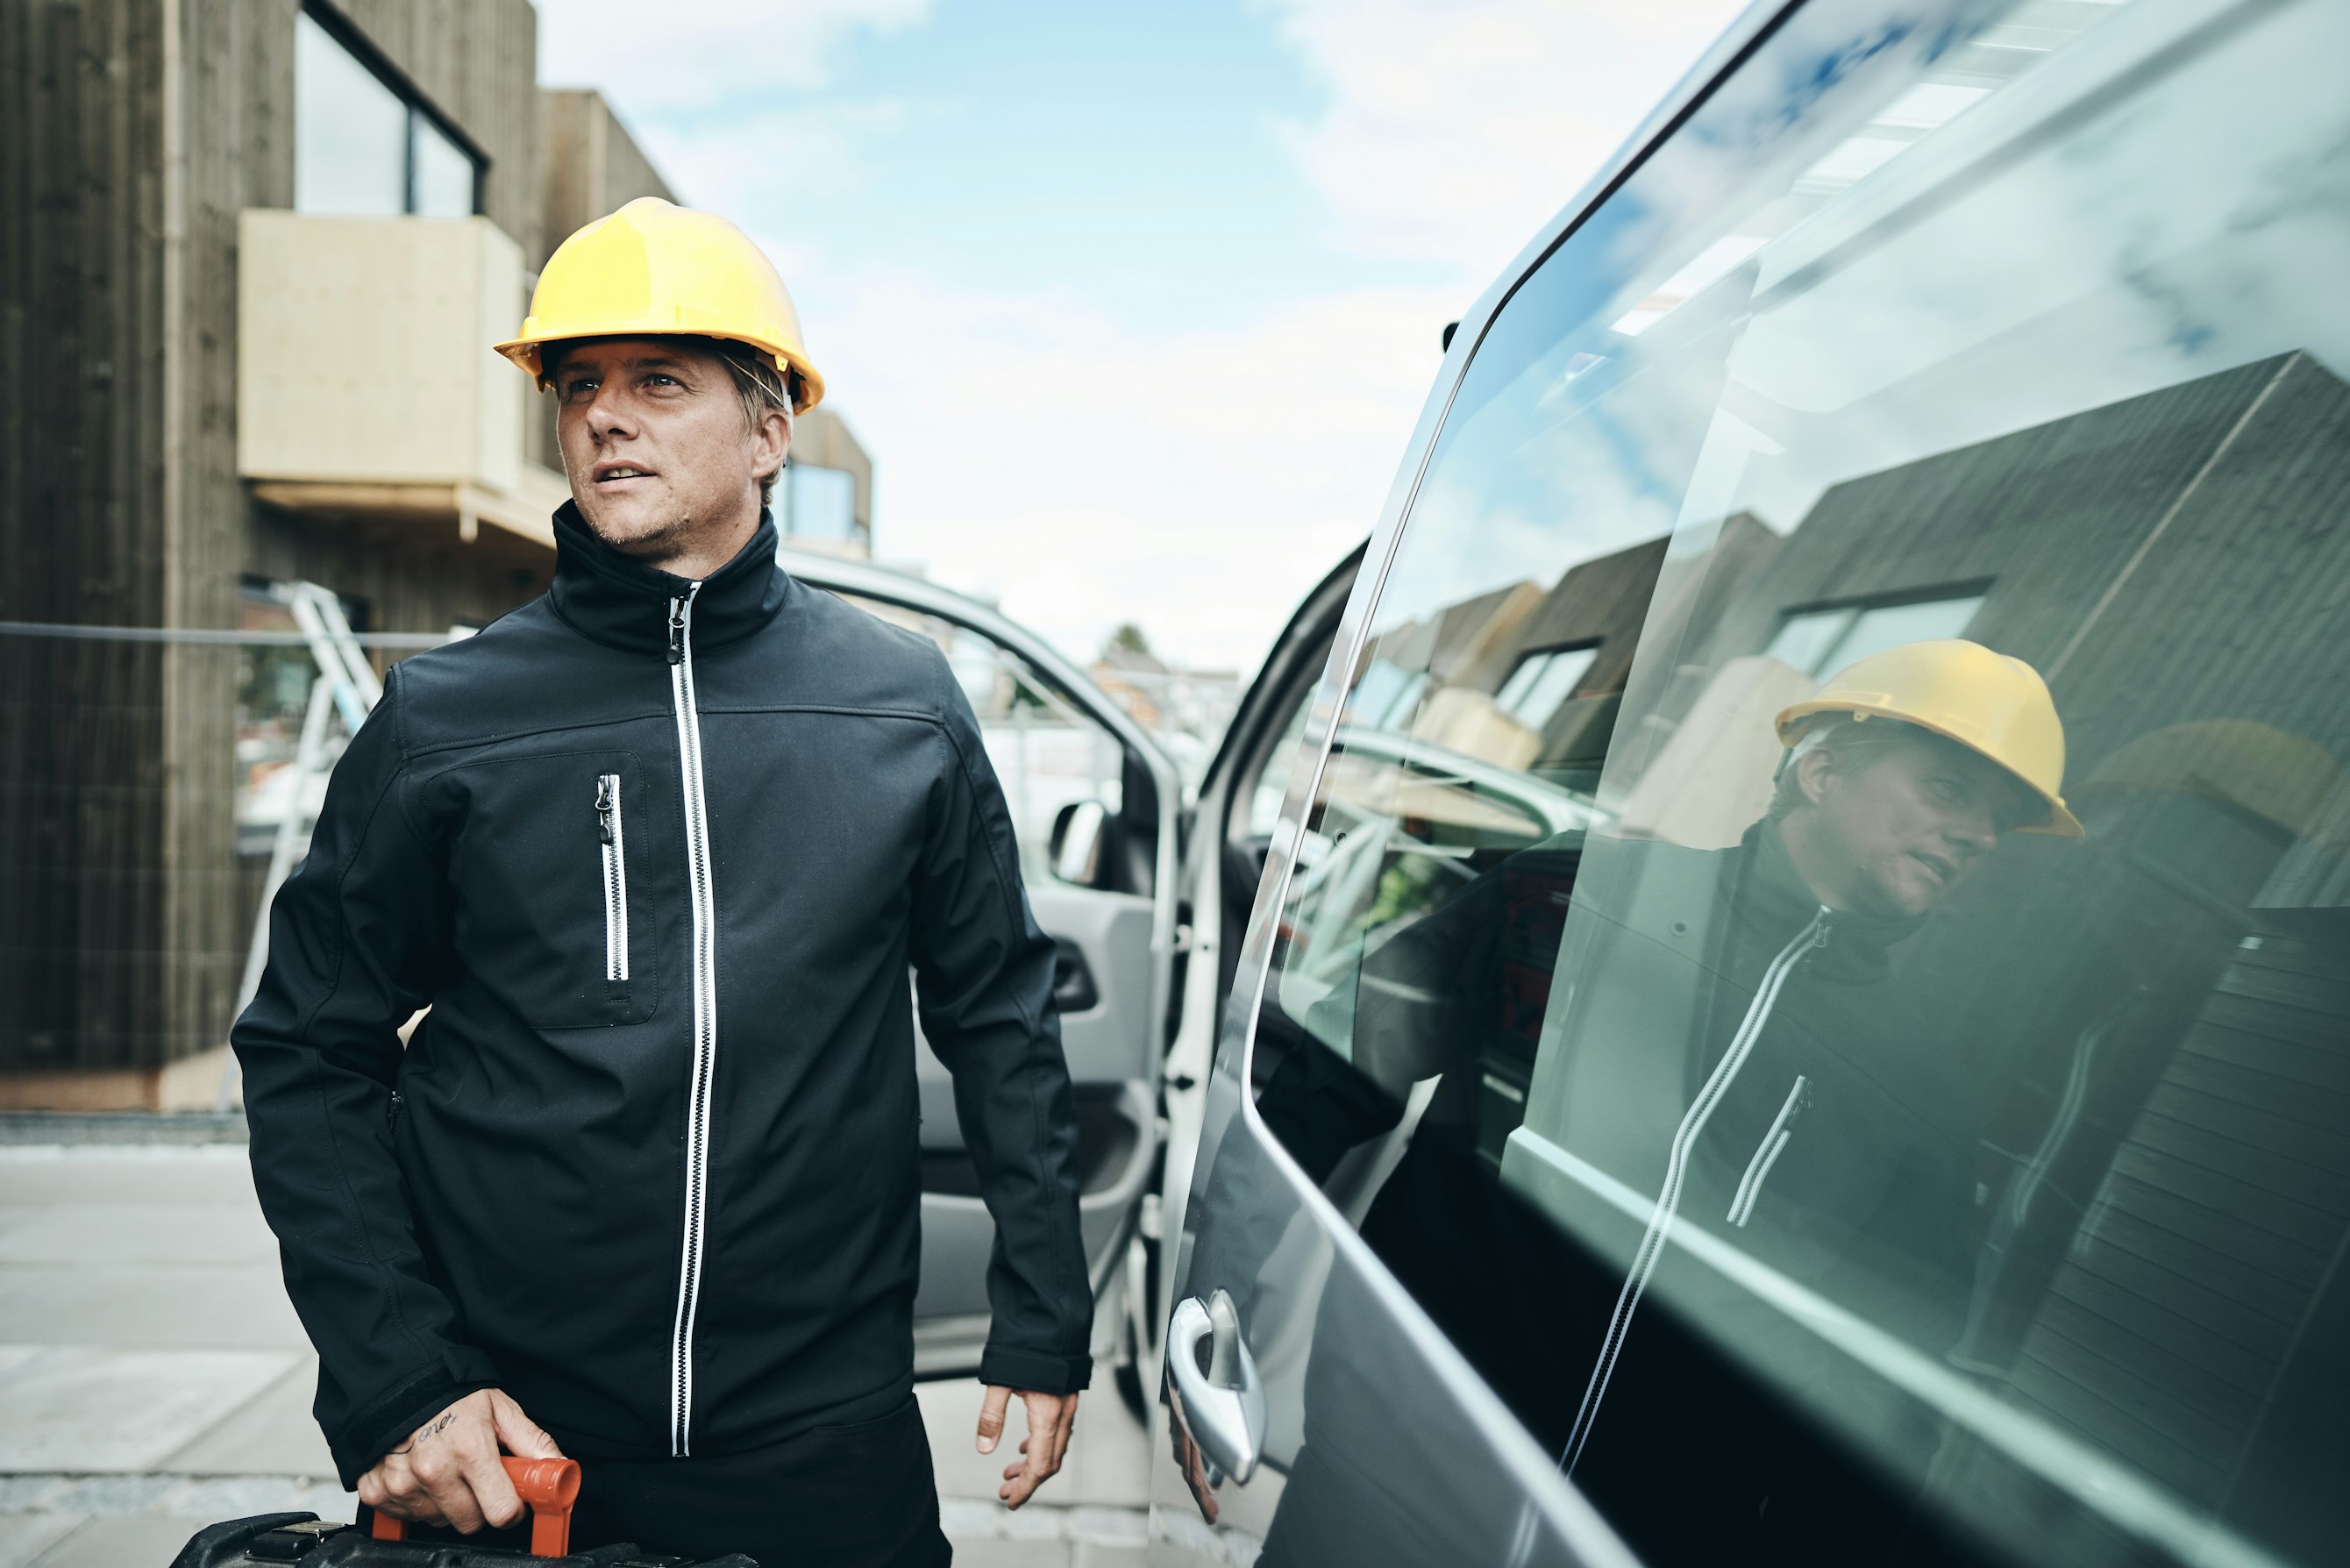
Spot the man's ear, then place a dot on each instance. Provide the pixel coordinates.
(773, 440)
(1812, 771)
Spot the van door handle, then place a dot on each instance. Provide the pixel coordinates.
(1221, 1404)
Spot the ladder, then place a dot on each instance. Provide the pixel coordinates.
(346, 687)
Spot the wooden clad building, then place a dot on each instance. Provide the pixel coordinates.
(140, 142)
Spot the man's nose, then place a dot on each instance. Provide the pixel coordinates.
(1973, 832)
(607, 413)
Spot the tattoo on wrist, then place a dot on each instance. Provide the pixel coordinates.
(433, 1427)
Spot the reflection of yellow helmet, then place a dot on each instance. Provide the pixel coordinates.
(2236, 761)
(1986, 702)
(656, 270)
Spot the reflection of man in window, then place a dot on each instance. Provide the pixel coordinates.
(1740, 1056)
(1727, 1048)
(1770, 1080)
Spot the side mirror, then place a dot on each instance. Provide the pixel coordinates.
(1076, 846)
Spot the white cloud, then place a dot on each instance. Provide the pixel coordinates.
(767, 157)
(1036, 450)
(1454, 132)
(705, 52)
(1046, 447)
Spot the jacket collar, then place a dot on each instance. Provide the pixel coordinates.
(621, 602)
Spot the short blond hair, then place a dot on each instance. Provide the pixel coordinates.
(763, 389)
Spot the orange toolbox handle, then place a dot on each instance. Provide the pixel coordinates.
(549, 1486)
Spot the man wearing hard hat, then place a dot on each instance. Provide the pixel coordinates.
(657, 850)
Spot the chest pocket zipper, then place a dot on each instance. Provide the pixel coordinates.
(1767, 1152)
(612, 843)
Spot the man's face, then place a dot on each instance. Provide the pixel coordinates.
(1896, 826)
(655, 444)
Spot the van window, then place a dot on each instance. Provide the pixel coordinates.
(1820, 954)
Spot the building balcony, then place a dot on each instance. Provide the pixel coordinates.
(366, 383)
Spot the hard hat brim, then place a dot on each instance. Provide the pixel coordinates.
(524, 351)
(2060, 823)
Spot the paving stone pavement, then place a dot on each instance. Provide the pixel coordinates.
(156, 1379)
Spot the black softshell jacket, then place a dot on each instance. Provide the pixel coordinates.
(658, 857)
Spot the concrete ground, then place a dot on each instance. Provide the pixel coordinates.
(154, 1379)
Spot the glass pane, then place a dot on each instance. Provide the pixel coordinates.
(444, 171)
(1542, 681)
(1272, 786)
(350, 132)
(1756, 1070)
(1890, 625)
(1805, 641)
(822, 503)
(1384, 695)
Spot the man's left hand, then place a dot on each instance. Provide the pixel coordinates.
(1051, 1418)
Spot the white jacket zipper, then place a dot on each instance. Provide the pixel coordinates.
(1767, 1153)
(613, 842)
(703, 972)
(1669, 1197)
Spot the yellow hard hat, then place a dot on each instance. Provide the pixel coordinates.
(652, 269)
(1987, 703)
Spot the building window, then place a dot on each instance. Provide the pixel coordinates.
(441, 174)
(1542, 680)
(820, 505)
(1822, 641)
(362, 146)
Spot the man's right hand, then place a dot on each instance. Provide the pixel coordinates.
(448, 1470)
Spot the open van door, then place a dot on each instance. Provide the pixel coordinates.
(1094, 802)
(1228, 839)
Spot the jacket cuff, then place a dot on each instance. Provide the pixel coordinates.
(1034, 1372)
(383, 1424)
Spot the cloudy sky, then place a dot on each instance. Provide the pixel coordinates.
(1134, 305)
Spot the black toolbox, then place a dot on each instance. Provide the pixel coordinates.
(278, 1538)
(547, 1487)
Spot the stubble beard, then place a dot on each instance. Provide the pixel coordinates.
(664, 537)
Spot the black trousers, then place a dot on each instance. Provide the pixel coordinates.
(860, 1495)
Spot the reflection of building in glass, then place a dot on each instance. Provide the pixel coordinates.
(1819, 642)
(1521, 677)
(2158, 1007)
(2153, 1015)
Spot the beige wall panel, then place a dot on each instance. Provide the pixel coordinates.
(364, 346)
